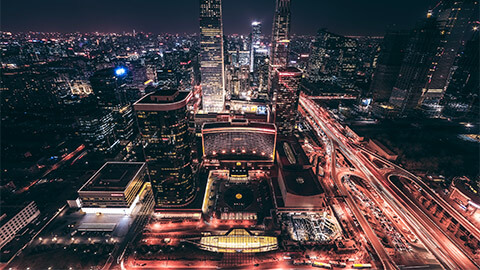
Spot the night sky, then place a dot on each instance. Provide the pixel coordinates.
(354, 17)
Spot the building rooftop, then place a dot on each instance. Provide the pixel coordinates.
(113, 176)
(163, 100)
(289, 69)
(239, 123)
(302, 183)
(299, 179)
(165, 96)
(10, 210)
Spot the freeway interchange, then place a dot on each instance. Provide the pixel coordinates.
(449, 253)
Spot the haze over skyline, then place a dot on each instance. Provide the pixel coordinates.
(361, 18)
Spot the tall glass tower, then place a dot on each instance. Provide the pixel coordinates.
(280, 37)
(255, 42)
(455, 22)
(211, 55)
(162, 119)
(286, 92)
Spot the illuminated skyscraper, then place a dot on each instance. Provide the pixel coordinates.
(162, 118)
(259, 64)
(108, 86)
(454, 19)
(211, 55)
(462, 95)
(280, 37)
(430, 56)
(388, 65)
(255, 42)
(332, 55)
(412, 76)
(286, 91)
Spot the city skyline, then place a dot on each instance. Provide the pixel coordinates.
(264, 150)
(365, 18)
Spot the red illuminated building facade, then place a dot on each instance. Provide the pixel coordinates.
(239, 141)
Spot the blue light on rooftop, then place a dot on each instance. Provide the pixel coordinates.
(120, 71)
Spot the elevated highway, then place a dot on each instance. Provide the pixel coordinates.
(449, 254)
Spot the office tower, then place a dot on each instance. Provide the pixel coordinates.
(239, 58)
(124, 122)
(416, 64)
(286, 91)
(139, 73)
(390, 60)
(454, 18)
(348, 59)
(259, 64)
(211, 55)
(462, 95)
(97, 129)
(332, 55)
(232, 84)
(316, 58)
(167, 78)
(255, 42)
(280, 37)
(261, 67)
(237, 81)
(162, 118)
(348, 62)
(108, 86)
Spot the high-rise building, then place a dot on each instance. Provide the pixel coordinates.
(286, 91)
(348, 60)
(388, 65)
(280, 37)
(412, 76)
(454, 19)
(255, 42)
(124, 122)
(239, 58)
(211, 56)
(261, 68)
(107, 85)
(316, 58)
(462, 95)
(162, 118)
(332, 55)
(97, 129)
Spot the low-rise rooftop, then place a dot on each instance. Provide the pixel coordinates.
(113, 176)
